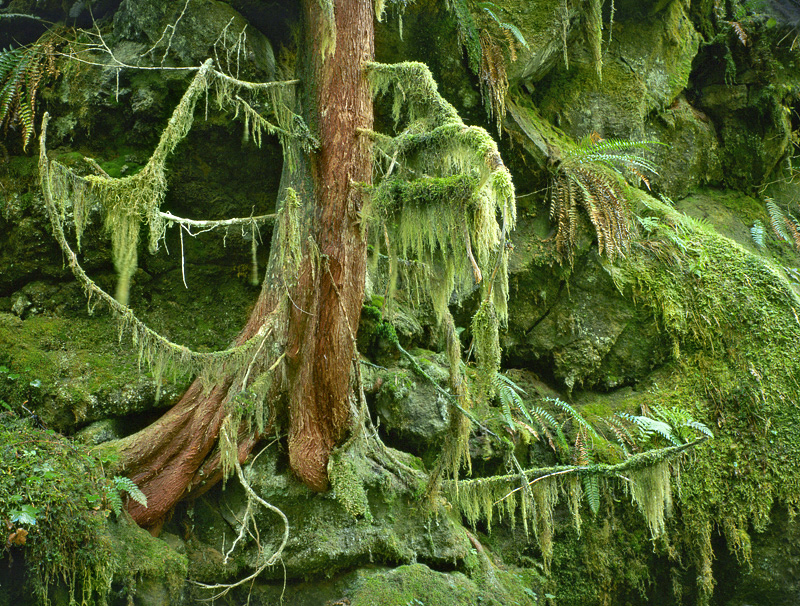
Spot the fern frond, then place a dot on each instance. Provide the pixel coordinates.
(649, 426)
(777, 220)
(740, 33)
(583, 448)
(622, 433)
(793, 229)
(700, 427)
(590, 175)
(574, 414)
(757, 233)
(591, 488)
(22, 73)
(547, 422)
(114, 500)
(121, 483)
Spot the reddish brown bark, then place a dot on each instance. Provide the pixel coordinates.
(163, 458)
(173, 458)
(321, 334)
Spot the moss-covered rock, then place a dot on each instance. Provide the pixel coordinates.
(60, 512)
(691, 156)
(325, 537)
(585, 333)
(645, 68)
(418, 584)
(413, 414)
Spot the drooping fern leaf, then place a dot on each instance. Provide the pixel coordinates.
(575, 415)
(509, 394)
(757, 232)
(777, 220)
(114, 500)
(521, 415)
(675, 425)
(121, 483)
(490, 8)
(649, 426)
(590, 176)
(22, 72)
(591, 488)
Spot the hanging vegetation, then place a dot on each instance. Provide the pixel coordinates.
(591, 175)
(23, 71)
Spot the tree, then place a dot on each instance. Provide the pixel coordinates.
(445, 199)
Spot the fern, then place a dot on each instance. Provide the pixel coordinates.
(22, 72)
(757, 232)
(488, 52)
(675, 425)
(123, 484)
(590, 176)
(591, 487)
(509, 393)
(777, 220)
(489, 8)
(114, 500)
(522, 416)
(575, 415)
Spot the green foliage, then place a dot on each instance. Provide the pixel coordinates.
(732, 319)
(489, 42)
(590, 459)
(757, 233)
(491, 9)
(445, 200)
(130, 201)
(52, 490)
(123, 484)
(23, 71)
(784, 225)
(591, 176)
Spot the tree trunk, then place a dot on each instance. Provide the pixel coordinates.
(330, 289)
(170, 459)
(164, 458)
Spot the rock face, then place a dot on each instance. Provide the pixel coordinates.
(698, 319)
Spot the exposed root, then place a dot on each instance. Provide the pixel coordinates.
(222, 589)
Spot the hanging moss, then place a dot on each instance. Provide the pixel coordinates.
(487, 347)
(452, 216)
(128, 202)
(132, 200)
(534, 493)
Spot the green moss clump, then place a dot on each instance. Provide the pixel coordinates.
(347, 473)
(58, 504)
(35, 367)
(54, 492)
(417, 584)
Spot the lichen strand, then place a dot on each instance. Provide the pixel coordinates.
(131, 200)
(734, 325)
(448, 187)
(487, 347)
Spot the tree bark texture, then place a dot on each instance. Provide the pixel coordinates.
(174, 458)
(330, 289)
(163, 459)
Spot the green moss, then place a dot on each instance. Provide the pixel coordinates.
(138, 557)
(54, 492)
(40, 368)
(734, 326)
(347, 471)
(57, 493)
(416, 584)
